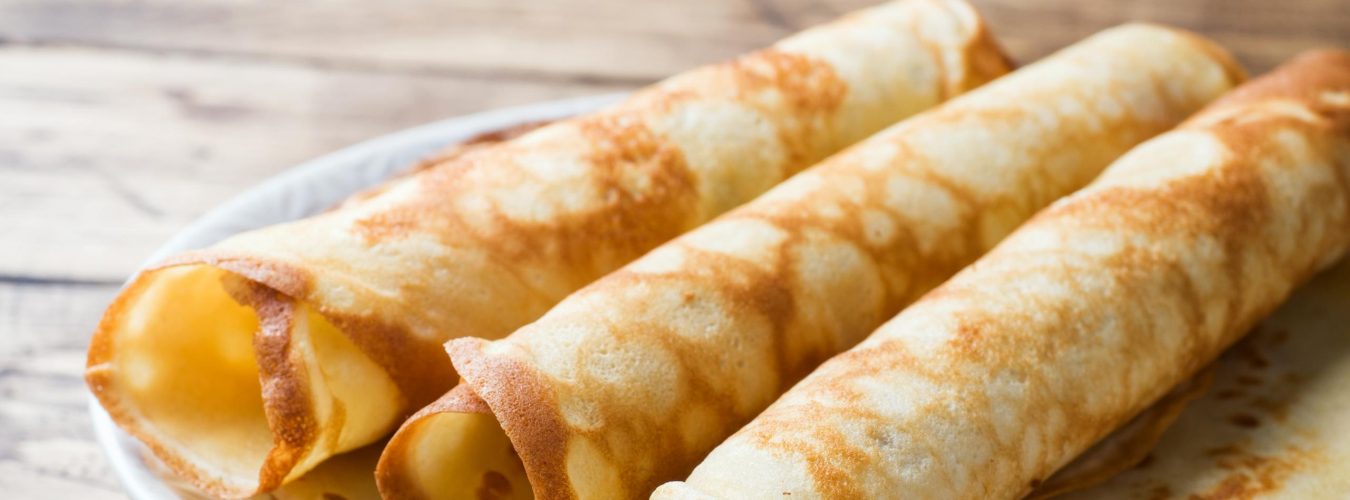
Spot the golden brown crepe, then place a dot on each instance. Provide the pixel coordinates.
(630, 381)
(1128, 445)
(345, 476)
(1273, 425)
(1078, 320)
(246, 364)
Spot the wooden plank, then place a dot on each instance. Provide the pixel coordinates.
(104, 154)
(46, 440)
(614, 41)
(598, 40)
(1261, 33)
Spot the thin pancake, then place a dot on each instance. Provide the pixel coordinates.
(1274, 423)
(246, 364)
(1078, 321)
(630, 381)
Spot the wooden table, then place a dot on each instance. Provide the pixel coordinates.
(121, 121)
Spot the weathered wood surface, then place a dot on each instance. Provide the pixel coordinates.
(121, 121)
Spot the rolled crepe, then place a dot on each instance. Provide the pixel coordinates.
(246, 364)
(630, 381)
(1273, 424)
(1078, 320)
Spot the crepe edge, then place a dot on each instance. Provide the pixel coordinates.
(983, 57)
(1232, 69)
(525, 408)
(287, 405)
(391, 473)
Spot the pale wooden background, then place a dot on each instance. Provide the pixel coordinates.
(121, 121)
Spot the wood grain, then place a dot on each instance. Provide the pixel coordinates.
(46, 445)
(124, 148)
(1261, 33)
(121, 121)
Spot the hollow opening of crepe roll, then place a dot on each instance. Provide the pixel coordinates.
(464, 455)
(187, 359)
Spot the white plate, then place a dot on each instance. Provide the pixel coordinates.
(307, 189)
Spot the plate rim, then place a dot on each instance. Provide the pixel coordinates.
(126, 455)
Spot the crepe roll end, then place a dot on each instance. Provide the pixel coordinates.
(204, 363)
(465, 444)
(453, 448)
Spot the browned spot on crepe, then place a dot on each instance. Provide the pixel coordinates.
(811, 87)
(631, 220)
(808, 83)
(384, 226)
(1244, 420)
(1277, 407)
(1251, 475)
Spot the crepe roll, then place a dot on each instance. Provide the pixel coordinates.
(1272, 424)
(630, 381)
(245, 364)
(1078, 320)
